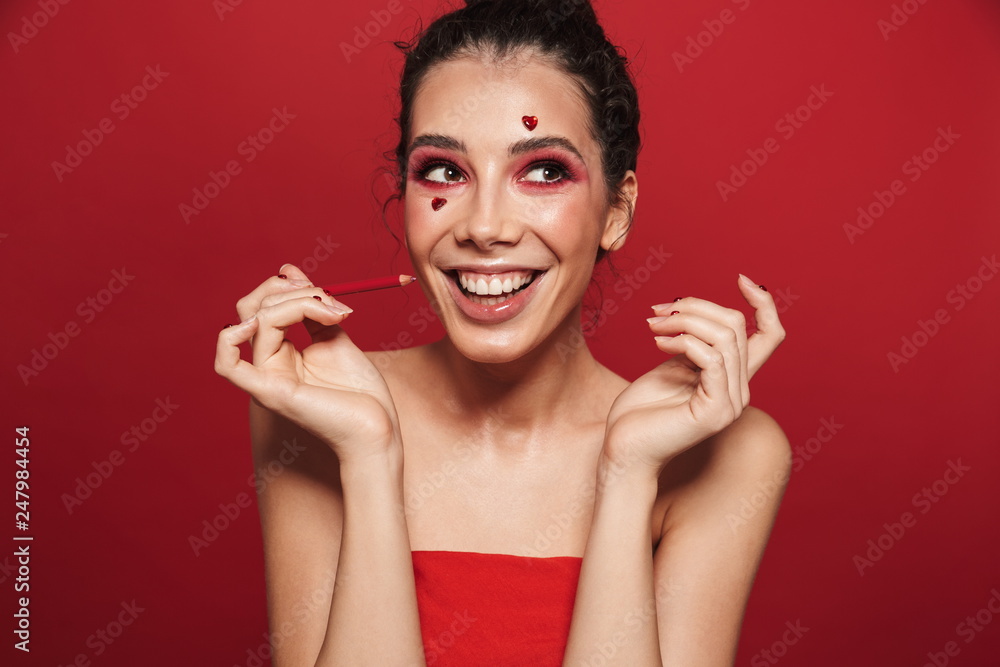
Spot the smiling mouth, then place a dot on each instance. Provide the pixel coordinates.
(492, 290)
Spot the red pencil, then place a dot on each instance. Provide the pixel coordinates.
(370, 284)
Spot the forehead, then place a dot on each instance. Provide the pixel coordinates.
(481, 101)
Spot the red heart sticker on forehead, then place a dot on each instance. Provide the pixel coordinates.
(530, 122)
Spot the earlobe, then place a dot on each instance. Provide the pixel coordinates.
(619, 220)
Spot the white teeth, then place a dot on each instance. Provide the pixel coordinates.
(489, 301)
(496, 286)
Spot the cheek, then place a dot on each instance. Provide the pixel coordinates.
(420, 223)
(568, 222)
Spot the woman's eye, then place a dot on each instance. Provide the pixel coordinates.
(443, 173)
(545, 173)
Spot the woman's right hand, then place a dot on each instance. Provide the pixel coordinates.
(330, 388)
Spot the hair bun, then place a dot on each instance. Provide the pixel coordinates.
(552, 9)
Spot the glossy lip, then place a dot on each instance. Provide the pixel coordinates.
(490, 268)
(500, 312)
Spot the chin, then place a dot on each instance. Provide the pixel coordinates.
(486, 352)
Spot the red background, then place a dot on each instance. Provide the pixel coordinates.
(846, 305)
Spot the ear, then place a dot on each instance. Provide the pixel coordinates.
(619, 219)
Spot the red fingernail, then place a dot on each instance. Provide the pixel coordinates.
(318, 298)
(227, 326)
(283, 276)
(762, 287)
(676, 312)
(328, 292)
(678, 298)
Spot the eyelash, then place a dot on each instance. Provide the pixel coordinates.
(423, 167)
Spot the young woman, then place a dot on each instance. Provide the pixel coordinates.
(499, 497)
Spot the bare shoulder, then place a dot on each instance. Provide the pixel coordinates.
(757, 439)
(749, 461)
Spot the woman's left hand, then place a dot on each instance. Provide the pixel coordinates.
(698, 392)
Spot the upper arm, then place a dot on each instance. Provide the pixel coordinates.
(301, 513)
(722, 497)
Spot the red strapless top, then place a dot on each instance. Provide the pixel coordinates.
(494, 609)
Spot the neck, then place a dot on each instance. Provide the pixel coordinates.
(520, 397)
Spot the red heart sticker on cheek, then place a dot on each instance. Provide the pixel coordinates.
(438, 202)
(530, 122)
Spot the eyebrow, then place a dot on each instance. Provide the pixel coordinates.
(517, 148)
(535, 143)
(437, 141)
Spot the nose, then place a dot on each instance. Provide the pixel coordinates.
(491, 218)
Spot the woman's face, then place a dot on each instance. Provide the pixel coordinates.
(525, 211)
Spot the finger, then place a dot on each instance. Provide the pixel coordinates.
(274, 320)
(722, 328)
(729, 316)
(276, 284)
(228, 363)
(713, 381)
(294, 273)
(317, 331)
(769, 332)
